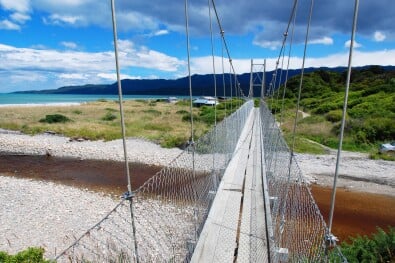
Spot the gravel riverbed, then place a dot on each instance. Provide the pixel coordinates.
(50, 215)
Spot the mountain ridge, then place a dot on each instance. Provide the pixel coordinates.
(202, 85)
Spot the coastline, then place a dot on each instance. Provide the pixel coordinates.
(50, 104)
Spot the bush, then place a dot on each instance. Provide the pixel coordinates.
(109, 117)
(378, 248)
(334, 115)
(30, 255)
(182, 112)
(153, 112)
(55, 118)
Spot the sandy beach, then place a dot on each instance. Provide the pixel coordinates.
(31, 210)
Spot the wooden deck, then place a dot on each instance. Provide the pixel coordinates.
(235, 230)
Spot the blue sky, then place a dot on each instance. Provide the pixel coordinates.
(46, 44)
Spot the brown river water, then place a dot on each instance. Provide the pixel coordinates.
(356, 213)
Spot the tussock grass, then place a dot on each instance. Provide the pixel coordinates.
(157, 121)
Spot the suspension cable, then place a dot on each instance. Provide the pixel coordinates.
(297, 110)
(354, 27)
(192, 140)
(215, 94)
(287, 70)
(301, 77)
(222, 32)
(129, 194)
(274, 81)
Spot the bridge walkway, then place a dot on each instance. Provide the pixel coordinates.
(235, 230)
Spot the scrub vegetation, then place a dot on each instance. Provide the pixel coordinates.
(370, 118)
(165, 123)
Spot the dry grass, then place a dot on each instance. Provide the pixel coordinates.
(156, 121)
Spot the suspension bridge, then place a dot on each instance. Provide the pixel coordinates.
(234, 195)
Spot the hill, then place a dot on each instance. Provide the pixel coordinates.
(202, 85)
(371, 106)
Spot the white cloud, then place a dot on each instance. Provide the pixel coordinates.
(323, 41)
(379, 36)
(74, 76)
(113, 76)
(161, 32)
(22, 6)
(273, 45)
(8, 25)
(348, 43)
(70, 45)
(74, 67)
(19, 17)
(62, 19)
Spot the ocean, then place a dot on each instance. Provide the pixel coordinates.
(15, 99)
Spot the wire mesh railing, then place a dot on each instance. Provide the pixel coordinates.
(298, 228)
(169, 210)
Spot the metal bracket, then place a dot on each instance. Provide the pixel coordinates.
(282, 254)
(191, 244)
(330, 240)
(127, 196)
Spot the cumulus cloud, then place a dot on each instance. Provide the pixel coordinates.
(323, 41)
(20, 17)
(58, 19)
(82, 67)
(70, 45)
(263, 24)
(22, 6)
(8, 25)
(379, 36)
(161, 32)
(356, 44)
(266, 22)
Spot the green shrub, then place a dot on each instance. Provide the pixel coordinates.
(182, 112)
(109, 117)
(111, 110)
(187, 117)
(380, 247)
(170, 141)
(153, 112)
(327, 107)
(55, 118)
(77, 112)
(312, 119)
(334, 115)
(30, 255)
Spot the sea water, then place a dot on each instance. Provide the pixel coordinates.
(10, 99)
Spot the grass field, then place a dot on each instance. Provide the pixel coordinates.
(164, 123)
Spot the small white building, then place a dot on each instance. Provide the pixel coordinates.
(172, 99)
(205, 100)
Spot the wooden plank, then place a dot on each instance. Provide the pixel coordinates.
(217, 241)
(252, 241)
